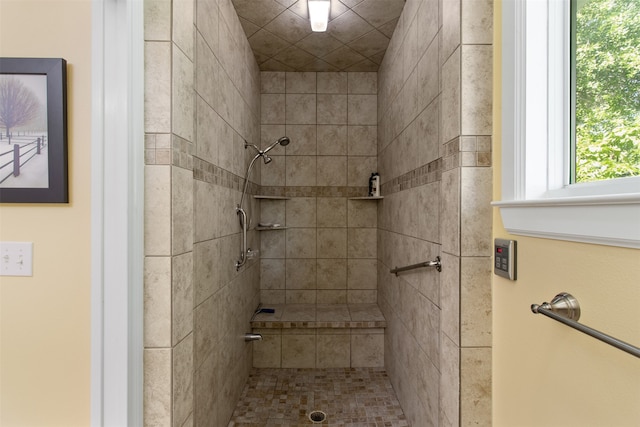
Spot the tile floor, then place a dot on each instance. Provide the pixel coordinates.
(350, 397)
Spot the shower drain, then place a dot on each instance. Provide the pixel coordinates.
(317, 417)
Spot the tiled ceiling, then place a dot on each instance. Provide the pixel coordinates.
(356, 38)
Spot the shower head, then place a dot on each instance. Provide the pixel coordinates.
(267, 159)
(284, 141)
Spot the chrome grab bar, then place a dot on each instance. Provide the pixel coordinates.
(565, 309)
(243, 251)
(437, 264)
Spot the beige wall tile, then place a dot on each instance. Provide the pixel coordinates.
(475, 211)
(208, 129)
(450, 27)
(182, 97)
(157, 302)
(303, 140)
(332, 243)
(182, 210)
(272, 274)
(272, 109)
(332, 273)
(367, 350)
(157, 204)
(272, 211)
(204, 393)
(301, 243)
(332, 82)
(207, 330)
(268, 352)
(274, 174)
(334, 351)
(182, 25)
(298, 351)
(157, 20)
(477, 89)
(362, 296)
(362, 213)
(362, 140)
(301, 274)
(362, 110)
(332, 211)
(450, 297)
(182, 296)
(450, 212)
(477, 22)
(361, 243)
(272, 82)
(182, 381)
(272, 244)
(359, 170)
(363, 83)
(475, 291)
(301, 171)
(332, 109)
(362, 274)
(475, 386)
(301, 82)
(331, 297)
(207, 22)
(157, 87)
(300, 109)
(450, 126)
(332, 171)
(157, 387)
(301, 212)
(297, 296)
(206, 272)
(332, 140)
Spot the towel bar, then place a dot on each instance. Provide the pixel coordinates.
(565, 309)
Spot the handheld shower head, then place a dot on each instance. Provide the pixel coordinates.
(267, 159)
(284, 141)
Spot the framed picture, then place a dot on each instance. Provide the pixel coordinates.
(33, 130)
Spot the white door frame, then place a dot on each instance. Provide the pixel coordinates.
(117, 213)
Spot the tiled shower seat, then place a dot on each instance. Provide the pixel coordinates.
(319, 336)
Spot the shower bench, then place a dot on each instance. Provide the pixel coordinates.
(319, 336)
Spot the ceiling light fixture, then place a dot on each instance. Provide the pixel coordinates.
(319, 14)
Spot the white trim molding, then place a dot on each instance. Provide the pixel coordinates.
(117, 255)
(537, 197)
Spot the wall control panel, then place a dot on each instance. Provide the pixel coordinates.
(504, 255)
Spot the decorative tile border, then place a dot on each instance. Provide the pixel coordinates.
(426, 174)
(317, 325)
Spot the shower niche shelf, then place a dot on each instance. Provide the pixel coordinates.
(367, 198)
(270, 227)
(259, 197)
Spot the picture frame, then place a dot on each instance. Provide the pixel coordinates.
(33, 128)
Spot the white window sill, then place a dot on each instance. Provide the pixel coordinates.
(606, 220)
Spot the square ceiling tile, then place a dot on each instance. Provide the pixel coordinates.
(348, 27)
(289, 27)
(280, 35)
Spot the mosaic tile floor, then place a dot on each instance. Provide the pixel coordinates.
(350, 397)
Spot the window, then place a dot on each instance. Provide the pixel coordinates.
(605, 81)
(539, 197)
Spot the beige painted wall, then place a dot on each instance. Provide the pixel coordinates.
(45, 319)
(543, 370)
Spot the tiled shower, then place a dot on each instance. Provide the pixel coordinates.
(423, 121)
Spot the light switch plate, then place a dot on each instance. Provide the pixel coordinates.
(16, 258)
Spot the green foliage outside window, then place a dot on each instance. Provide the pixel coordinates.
(607, 85)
